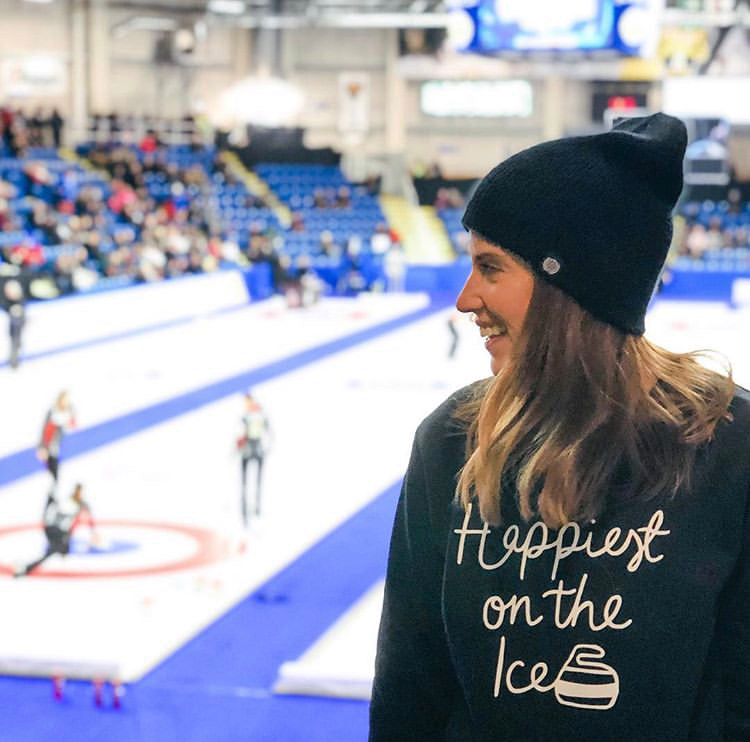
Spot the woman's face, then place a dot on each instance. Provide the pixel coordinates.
(498, 291)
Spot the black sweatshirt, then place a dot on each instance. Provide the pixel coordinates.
(632, 628)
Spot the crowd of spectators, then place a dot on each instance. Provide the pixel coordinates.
(20, 130)
(143, 218)
(700, 240)
(146, 211)
(714, 227)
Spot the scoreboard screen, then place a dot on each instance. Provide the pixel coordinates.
(618, 26)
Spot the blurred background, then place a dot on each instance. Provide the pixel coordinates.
(230, 243)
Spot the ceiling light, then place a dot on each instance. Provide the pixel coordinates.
(263, 101)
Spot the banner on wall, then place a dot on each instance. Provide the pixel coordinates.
(354, 102)
(32, 75)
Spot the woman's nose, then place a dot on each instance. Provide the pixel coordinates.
(469, 300)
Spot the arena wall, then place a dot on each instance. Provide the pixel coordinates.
(118, 73)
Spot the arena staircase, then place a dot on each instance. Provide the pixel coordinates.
(74, 158)
(258, 187)
(422, 233)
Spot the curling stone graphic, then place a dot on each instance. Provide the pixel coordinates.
(585, 683)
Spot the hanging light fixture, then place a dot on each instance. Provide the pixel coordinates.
(262, 101)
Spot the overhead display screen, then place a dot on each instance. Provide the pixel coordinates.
(622, 26)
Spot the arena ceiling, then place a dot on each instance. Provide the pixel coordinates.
(293, 8)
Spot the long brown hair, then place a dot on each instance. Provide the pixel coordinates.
(583, 413)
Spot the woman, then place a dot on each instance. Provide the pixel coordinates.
(59, 523)
(59, 420)
(571, 553)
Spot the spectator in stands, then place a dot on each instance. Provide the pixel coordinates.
(434, 170)
(328, 246)
(38, 174)
(56, 124)
(343, 197)
(27, 253)
(714, 236)
(372, 185)
(43, 220)
(354, 249)
(448, 198)
(150, 142)
(121, 261)
(380, 242)
(150, 262)
(696, 241)
(34, 124)
(728, 237)
(320, 198)
(395, 268)
(298, 222)
(7, 192)
(6, 126)
(5, 216)
(310, 285)
(122, 196)
(19, 140)
(113, 126)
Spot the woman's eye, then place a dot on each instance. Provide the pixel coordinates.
(488, 268)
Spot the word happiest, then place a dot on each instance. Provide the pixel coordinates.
(568, 540)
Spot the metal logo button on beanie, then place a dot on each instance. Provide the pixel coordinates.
(550, 266)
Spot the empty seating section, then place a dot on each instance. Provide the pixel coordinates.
(238, 213)
(322, 200)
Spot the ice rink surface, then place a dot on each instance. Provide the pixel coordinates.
(172, 555)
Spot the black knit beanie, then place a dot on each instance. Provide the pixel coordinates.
(590, 214)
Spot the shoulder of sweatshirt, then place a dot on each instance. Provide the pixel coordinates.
(440, 423)
(735, 430)
(741, 405)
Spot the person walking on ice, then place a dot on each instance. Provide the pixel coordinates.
(252, 445)
(59, 420)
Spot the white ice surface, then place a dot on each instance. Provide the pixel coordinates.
(341, 662)
(328, 420)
